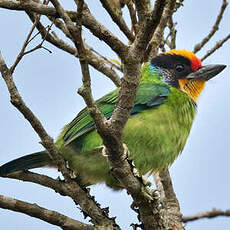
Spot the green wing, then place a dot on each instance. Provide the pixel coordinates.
(148, 96)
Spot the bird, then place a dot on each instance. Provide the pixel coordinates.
(155, 133)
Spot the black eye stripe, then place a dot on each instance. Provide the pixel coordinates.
(172, 67)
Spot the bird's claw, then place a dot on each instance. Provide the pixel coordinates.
(104, 152)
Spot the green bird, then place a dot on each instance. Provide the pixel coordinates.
(157, 129)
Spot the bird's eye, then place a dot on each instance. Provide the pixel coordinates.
(179, 67)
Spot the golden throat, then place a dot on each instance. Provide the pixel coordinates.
(192, 88)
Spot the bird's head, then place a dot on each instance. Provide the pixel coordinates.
(183, 70)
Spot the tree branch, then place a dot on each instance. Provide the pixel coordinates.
(171, 209)
(132, 69)
(171, 26)
(18, 102)
(216, 47)
(133, 17)
(215, 27)
(97, 62)
(41, 213)
(116, 15)
(88, 205)
(103, 33)
(59, 24)
(157, 38)
(26, 42)
(111, 135)
(88, 21)
(147, 29)
(143, 9)
(210, 214)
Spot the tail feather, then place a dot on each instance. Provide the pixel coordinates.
(31, 161)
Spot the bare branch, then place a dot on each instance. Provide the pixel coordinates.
(41, 213)
(116, 14)
(143, 9)
(88, 205)
(62, 187)
(18, 102)
(117, 154)
(97, 62)
(171, 26)
(27, 41)
(171, 209)
(147, 30)
(75, 32)
(134, 59)
(58, 186)
(210, 214)
(109, 62)
(133, 17)
(111, 135)
(88, 21)
(59, 24)
(157, 38)
(216, 47)
(22, 52)
(103, 33)
(215, 27)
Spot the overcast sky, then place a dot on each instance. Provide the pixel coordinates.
(49, 83)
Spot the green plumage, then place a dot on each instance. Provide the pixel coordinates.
(155, 133)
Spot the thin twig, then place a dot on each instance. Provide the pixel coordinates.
(37, 32)
(39, 46)
(59, 24)
(88, 21)
(112, 64)
(44, 214)
(216, 47)
(210, 214)
(215, 27)
(27, 41)
(114, 10)
(95, 61)
(103, 33)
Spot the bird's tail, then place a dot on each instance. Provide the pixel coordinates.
(31, 161)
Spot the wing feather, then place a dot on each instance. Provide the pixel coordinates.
(148, 96)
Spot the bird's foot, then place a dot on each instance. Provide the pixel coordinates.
(104, 151)
(146, 182)
(71, 172)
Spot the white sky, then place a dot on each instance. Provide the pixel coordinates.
(49, 83)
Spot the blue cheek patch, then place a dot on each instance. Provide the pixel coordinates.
(156, 71)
